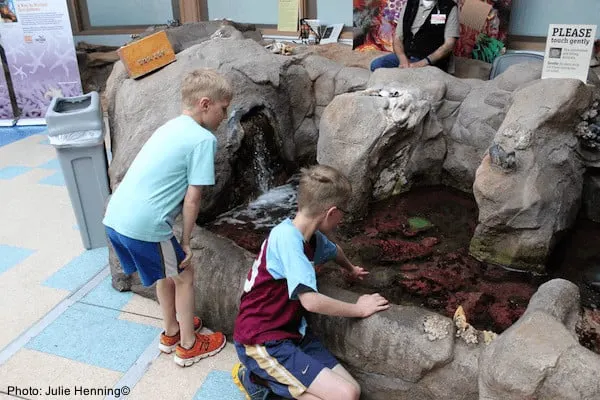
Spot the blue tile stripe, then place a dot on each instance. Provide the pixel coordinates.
(104, 295)
(11, 256)
(95, 336)
(218, 385)
(80, 270)
(52, 164)
(56, 179)
(11, 134)
(11, 172)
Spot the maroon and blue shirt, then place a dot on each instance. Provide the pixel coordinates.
(270, 309)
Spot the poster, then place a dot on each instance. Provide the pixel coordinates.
(7, 114)
(569, 51)
(289, 11)
(375, 25)
(40, 53)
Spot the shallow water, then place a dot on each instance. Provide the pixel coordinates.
(428, 267)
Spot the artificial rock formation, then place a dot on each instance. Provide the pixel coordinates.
(290, 92)
(389, 131)
(408, 352)
(528, 188)
(532, 192)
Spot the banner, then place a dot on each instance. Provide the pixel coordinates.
(7, 114)
(40, 53)
(569, 51)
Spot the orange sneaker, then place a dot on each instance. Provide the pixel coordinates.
(205, 346)
(169, 343)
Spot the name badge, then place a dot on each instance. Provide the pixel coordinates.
(438, 19)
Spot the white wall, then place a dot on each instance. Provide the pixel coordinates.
(266, 11)
(105, 40)
(335, 12)
(129, 12)
(532, 17)
(248, 11)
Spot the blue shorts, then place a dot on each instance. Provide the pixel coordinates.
(287, 367)
(152, 260)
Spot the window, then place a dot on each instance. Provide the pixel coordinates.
(130, 16)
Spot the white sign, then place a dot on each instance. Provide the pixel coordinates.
(569, 51)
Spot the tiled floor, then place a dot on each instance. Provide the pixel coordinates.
(66, 333)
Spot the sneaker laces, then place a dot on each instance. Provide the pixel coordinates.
(203, 338)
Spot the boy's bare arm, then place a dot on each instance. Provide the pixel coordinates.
(365, 306)
(191, 208)
(343, 261)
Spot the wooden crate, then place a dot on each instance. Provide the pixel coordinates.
(146, 55)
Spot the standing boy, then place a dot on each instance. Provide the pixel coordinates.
(170, 169)
(270, 334)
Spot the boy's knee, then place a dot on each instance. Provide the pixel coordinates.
(185, 278)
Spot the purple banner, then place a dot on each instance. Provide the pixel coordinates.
(6, 110)
(40, 52)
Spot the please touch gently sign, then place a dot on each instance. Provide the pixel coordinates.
(569, 51)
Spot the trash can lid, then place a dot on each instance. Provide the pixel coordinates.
(75, 115)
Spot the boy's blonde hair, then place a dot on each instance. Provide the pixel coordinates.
(322, 187)
(204, 82)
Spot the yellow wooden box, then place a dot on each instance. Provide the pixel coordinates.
(146, 55)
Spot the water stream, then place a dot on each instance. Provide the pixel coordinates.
(431, 266)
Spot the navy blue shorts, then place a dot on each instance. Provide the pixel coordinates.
(152, 260)
(289, 368)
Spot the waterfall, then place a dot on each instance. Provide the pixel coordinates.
(261, 162)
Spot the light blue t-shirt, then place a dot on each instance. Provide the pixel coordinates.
(180, 153)
(287, 259)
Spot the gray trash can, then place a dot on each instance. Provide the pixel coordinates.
(76, 130)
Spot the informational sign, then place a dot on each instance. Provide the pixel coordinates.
(569, 51)
(289, 13)
(7, 114)
(147, 54)
(40, 52)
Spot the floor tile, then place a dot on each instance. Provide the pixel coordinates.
(143, 306)
(104, 295)
(52, 164)
(23, 304)
(218, 385)
(11, 172)
(93, 335)
(141, 319)
(40, 370)
(56, 179)
(79, 270)
(163, 373)
(36, 154)
(47, 208)
(11, 256)
(9, 135)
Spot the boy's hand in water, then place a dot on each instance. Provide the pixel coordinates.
(369, 304)
(187, 261)
(357, 273)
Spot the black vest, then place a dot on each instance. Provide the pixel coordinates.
(430, 36)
